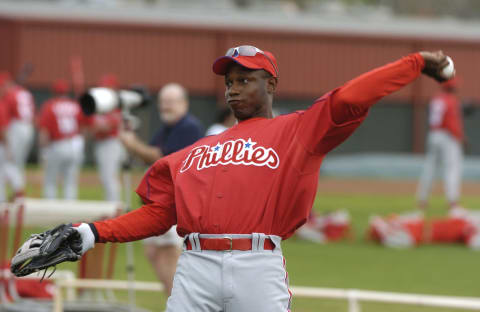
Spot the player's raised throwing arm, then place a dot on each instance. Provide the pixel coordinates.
(336, 115)
(353, 99)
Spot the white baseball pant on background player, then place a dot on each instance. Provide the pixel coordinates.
(443, 149)
(244, 286)
(110, 154)
(3, 196)
(63, 158)
(19, 142)
(168, 239)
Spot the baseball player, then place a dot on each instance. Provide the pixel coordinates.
(409, 230)
(236, 195)
(444, 145)
(179, 130)
(20, 107)
(4, 76)
(108, 150)
(61, 145)
(327, 227)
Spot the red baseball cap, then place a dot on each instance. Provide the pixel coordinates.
(452, 83)
(247, 56)
(4, 77)
(60, 86)
(108, 81)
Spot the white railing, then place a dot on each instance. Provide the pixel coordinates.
(353, 296)
(52, 212)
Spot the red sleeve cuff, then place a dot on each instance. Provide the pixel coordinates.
(419, 60)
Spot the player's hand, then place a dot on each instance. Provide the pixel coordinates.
(434, 63)
(128, 138)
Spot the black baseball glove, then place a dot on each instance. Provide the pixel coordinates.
(47, 249)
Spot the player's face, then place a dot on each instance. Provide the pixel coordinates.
(247, 92)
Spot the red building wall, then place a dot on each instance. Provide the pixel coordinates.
(309, 63)
(153, 54)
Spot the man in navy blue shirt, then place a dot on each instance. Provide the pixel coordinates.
(179, 129)
(171, 138)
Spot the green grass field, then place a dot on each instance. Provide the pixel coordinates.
(439, 270)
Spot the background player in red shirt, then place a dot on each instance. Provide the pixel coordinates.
(4, 77)
(444, 145)
(412, 229)
(236, 195)
(20, 111)
(61, 144)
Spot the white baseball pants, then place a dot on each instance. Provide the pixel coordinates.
(231, 281)
(169, 238)
(19, 142)
(109, 155)
(3, 197)
(442, 149)
(63, 159)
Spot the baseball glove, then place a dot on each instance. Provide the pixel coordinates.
(47, 249)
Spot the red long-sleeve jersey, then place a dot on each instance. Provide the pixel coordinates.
(445, 114)
(258, 176)
(61, 118)
(19, 103)
(110, 124)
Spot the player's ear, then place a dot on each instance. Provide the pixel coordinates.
(271, 84)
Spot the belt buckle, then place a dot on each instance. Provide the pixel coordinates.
(231, 242)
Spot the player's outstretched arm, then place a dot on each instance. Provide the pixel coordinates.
(149, 220)
(336, 115)
(156, 217)
(352, 100)
(69, 242)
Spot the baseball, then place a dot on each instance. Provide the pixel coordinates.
(448, 71)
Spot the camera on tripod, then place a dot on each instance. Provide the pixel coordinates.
(102, 100)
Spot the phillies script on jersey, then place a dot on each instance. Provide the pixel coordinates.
(237, 152)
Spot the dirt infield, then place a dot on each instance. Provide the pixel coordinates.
(382, 186)
(89, 178)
